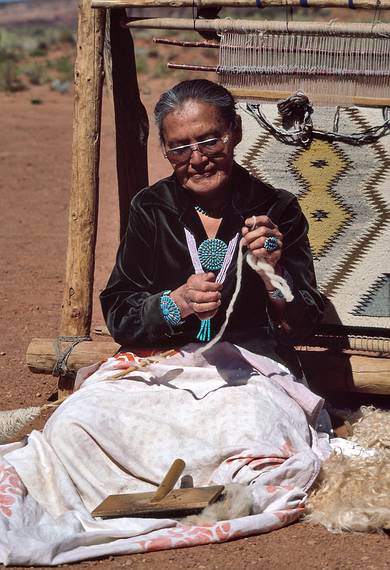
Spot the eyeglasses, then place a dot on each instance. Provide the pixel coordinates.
(209, 147)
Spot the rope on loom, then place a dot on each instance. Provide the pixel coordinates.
(306, 133)
(277, 281)
(60, 367)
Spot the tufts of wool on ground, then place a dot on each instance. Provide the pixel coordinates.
(12, 421)
(353, 493)
(236, 502)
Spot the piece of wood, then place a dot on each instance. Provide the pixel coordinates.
(83, 207)
(330, 371)
(256, 94)
(370, 345)
(260, 94)
(178, 503)
(182, 43)
(361, 4)
(189, 67)
(131, 119)
(247, 26)
(169, 481)
(41, 354)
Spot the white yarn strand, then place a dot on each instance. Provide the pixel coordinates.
(277, 281)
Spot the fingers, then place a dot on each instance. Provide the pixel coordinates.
(258, 221)
(258, 244)
(203, 282)
(202, 309)
(203, 294)
(256, 235)
(201, 302)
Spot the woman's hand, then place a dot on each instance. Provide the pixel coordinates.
(200, 295)
(255, 233)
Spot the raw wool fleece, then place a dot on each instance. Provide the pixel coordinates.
(12, 421)
(236, 502)
(353, 493)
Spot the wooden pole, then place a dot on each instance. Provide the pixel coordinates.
(83, 206)
(366, 4)
(256, 94)
(189, 67)
(131, 119)
(182, 43)
(329, 371)
(41, 354)
(246, 26)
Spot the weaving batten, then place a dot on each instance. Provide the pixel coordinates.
(330, 67)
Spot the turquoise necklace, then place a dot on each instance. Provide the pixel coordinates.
(212, 255)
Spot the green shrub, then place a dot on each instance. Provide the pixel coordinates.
(9, 77)
(36, 73)
(64, 66)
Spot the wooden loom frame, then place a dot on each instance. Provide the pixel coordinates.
(347, 363)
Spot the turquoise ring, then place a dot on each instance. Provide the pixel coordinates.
(271, 244)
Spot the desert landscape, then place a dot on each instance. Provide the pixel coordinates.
(36, 104)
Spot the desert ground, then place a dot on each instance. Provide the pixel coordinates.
(35, 166)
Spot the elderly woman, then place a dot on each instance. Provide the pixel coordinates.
(175, 270)
(232, 412)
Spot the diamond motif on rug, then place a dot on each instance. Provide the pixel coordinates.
(344, 192)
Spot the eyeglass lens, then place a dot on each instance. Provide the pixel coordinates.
(210, 147)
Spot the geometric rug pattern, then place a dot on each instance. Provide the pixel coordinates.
(344, 192)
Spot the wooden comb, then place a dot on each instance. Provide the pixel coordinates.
(165, 502)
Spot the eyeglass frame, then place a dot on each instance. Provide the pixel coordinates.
(195, 146)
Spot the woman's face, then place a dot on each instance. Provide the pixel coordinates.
(196, 121)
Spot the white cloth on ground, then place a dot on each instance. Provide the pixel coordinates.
(233, 416)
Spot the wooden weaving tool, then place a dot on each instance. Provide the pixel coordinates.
(165, 502)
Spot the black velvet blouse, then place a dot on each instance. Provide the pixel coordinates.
(153, 257)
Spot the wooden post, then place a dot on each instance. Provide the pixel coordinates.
(131, 119)
(83, 207)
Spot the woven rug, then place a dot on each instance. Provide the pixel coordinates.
(344, 191)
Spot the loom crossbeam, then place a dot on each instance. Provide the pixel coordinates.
(360, 4)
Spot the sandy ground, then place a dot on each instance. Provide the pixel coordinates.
(35, 153)
(35, 165)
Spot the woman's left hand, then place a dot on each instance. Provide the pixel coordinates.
(255, 233)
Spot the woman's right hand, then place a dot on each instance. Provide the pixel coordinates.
(200, 295)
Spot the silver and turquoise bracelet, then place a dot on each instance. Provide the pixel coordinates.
(170, 311)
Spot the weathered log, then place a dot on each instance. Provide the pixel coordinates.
(367, 4)
(83, 207)
(326, 370)
(42, 355)
(329, 371)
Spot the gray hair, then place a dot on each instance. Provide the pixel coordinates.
(200, 90)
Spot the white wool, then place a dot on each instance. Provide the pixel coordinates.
(276, 280)
(236, 502)
(12, 421)
(353, 493)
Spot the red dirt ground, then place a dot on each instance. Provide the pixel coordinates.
(35, 153)
(35, 165)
